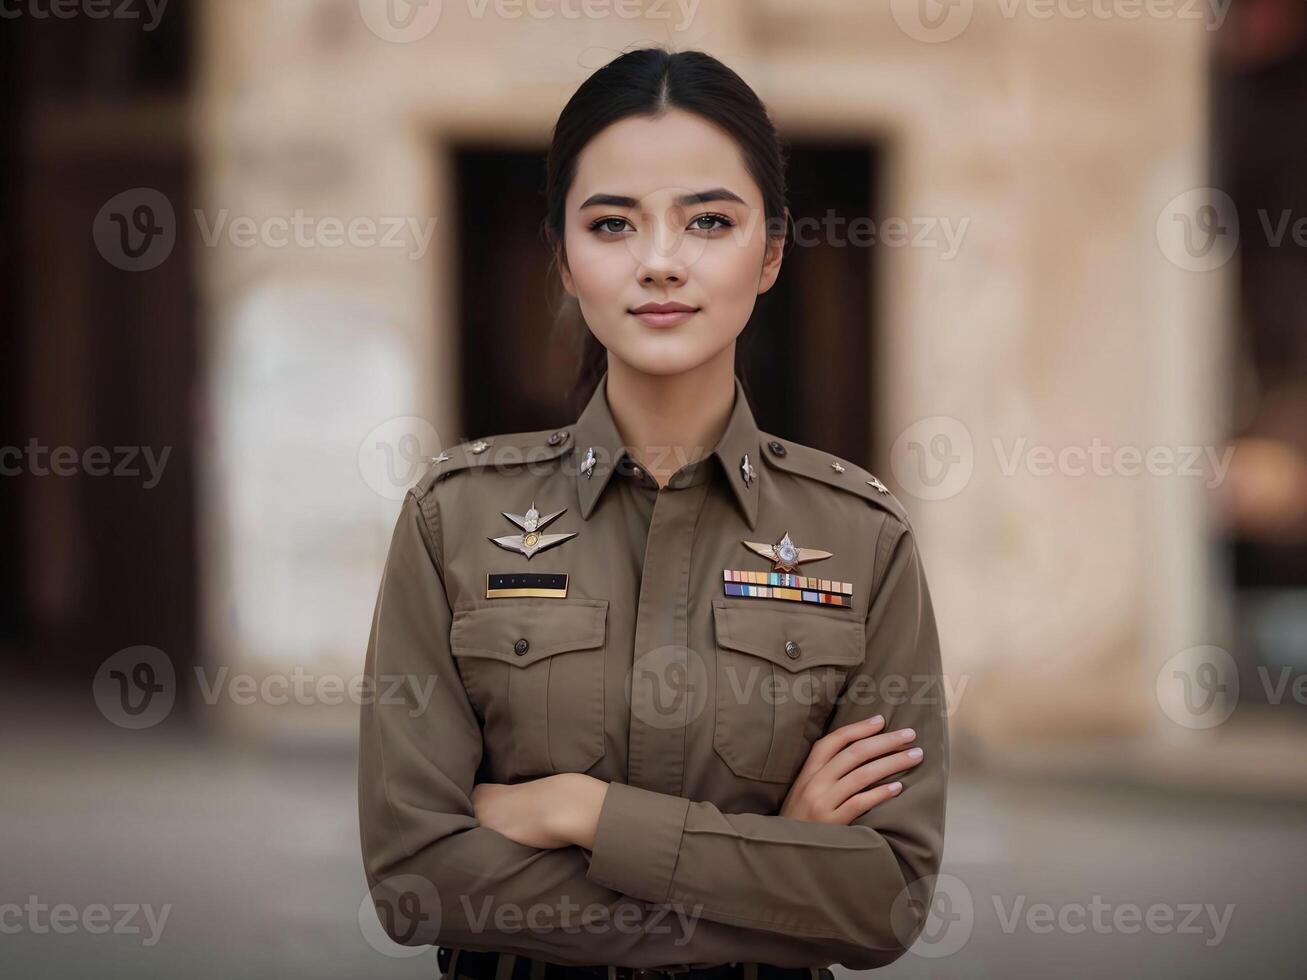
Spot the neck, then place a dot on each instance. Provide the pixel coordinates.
(671, 420)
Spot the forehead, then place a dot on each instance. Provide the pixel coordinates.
(640, 155)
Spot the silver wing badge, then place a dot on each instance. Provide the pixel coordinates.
(532, 541)
(786, 555)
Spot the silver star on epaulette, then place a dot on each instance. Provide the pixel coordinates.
(747, 469)
(873, 482)
(786, 554)
(532, 541)
(588, 463)
(837, 467)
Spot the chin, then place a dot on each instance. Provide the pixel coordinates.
(662, 359)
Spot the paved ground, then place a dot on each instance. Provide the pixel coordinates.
(254, 854)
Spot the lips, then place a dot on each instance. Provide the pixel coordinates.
(664, 314)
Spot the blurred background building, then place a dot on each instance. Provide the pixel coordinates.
(265, 258)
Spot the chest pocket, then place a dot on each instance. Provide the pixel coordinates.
(534, 671)
(779, 670)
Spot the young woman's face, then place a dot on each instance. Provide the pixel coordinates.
(662, 211)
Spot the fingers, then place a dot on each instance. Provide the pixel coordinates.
(876, 770)
(855, 806)
(827, 747)
(843, 763)
(832, 743)
(865, 749)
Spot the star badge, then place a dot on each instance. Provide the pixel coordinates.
(785, 553)
(873, 482)
(532, 541)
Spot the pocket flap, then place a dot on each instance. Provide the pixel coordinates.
(549, 626)
(765, 629)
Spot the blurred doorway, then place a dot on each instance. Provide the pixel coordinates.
(1259, 81)
(101, 367)
(809, 346)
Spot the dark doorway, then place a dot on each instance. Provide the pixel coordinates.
(101, 365)
(1259, 80)
(808, 347)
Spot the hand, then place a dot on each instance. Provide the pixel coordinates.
(832, 785)
(549, 812)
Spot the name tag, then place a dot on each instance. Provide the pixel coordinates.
(545, 585)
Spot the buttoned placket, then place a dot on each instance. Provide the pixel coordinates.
(656, 753)
(656, 732)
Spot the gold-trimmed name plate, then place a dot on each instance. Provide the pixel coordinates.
(543, 585)
(749, 584)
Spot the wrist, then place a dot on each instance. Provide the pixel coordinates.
(579, 817)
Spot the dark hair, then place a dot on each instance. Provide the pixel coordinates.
(648, 82)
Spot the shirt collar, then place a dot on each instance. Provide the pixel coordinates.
(599, 452)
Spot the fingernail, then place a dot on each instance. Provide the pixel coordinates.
(875, 720)
(907, 733)
(895, 787)
(914, 753)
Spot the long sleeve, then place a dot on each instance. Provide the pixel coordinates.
(436, 874)
(859, 892)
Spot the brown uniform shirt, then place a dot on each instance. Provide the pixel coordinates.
(662, 664)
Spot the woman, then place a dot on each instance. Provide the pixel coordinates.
(671, 685)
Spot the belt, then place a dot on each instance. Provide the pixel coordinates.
(489, 966)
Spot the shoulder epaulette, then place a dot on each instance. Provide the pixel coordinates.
(497, 452)
(794, 457)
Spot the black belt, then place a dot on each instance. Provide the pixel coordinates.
(485, 966)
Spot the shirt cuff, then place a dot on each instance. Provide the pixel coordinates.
(637, 841)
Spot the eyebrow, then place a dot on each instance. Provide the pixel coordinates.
(685, 200)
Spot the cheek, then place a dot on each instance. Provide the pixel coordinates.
(597, 271)
(728, 275)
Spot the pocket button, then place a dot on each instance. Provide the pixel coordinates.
(793, 650)
(521, 646)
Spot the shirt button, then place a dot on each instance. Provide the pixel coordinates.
(520, 646)
(792, 649)
(637, 471)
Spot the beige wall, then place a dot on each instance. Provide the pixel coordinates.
(1059, 320)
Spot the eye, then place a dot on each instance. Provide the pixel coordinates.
(718, 221)
(601, 225)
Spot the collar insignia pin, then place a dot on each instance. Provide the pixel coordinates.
(746, 468)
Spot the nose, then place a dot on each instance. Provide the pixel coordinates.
(661, 254)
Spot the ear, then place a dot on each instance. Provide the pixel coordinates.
(771, 260)
(564, 272)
